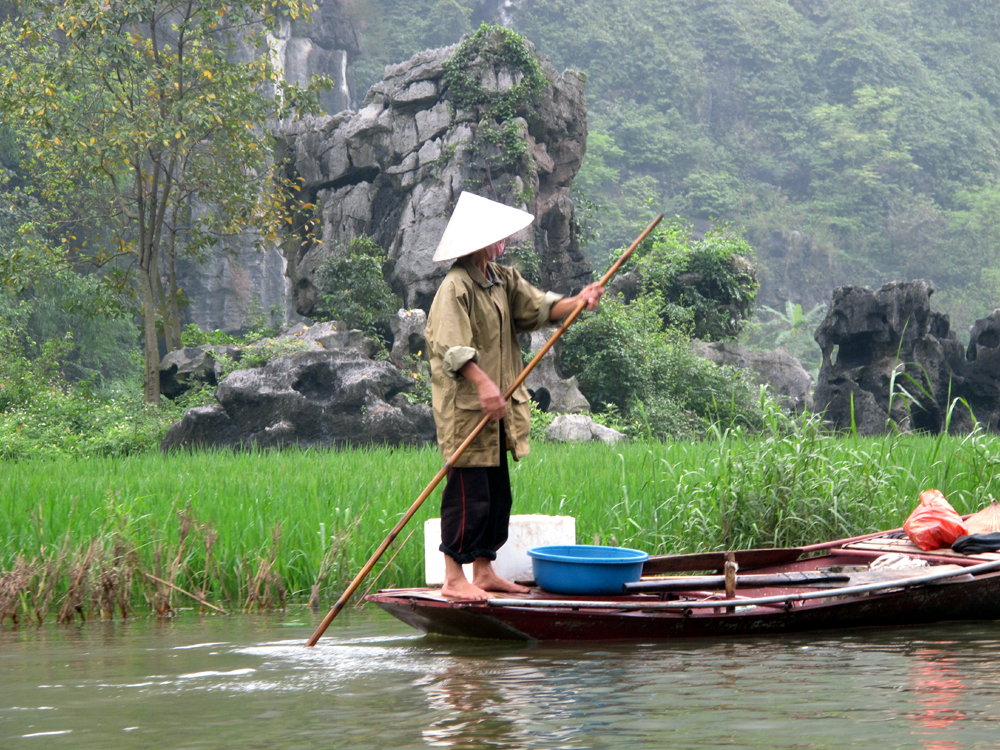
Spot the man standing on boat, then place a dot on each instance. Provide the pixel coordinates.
(471, 336)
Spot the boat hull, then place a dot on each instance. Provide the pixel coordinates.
(898, 603)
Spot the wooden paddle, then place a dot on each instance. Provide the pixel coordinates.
(465, 444)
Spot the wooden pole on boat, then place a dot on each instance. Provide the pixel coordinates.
(465, 444)
(730, 575)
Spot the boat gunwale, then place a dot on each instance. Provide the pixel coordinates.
(753, 602)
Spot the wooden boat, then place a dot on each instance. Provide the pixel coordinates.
(787, 590)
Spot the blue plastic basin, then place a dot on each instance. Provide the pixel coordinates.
(585, 568)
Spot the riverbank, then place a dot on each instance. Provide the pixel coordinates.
(112, 537)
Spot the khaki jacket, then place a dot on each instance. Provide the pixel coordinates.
(474, 319)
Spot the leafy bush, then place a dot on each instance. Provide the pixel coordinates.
(195, 336)
(355, 291)
(59, 314)
(608, 353)
(59, 422)
(708, 286)
(624, 358)
(77, 390)
(420, 370)
(259, 353)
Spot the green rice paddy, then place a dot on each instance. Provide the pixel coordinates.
(255, 529)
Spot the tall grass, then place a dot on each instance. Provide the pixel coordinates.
(249, 529)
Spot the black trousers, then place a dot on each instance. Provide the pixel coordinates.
(475, 509)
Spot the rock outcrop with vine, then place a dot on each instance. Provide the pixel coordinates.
(488, 116)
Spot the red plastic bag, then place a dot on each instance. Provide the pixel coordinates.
(934, 523)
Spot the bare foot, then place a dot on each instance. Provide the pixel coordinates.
(490, 581)
(463, 590)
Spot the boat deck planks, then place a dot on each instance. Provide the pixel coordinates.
(906, 547)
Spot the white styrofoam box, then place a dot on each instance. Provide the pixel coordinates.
(512, 561)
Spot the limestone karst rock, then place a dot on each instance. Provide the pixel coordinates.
(327, 392)
(548, 388)
(872, 340)
(236, 282)
(787, 380)
(981, 387)
(188, 366)
(395, 168)
(326, 398)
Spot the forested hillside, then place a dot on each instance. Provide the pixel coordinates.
(856, 140)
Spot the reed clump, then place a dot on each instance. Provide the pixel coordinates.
(103, 537)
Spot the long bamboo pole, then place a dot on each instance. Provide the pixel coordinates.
(468, 441)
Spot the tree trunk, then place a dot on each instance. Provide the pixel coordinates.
(149, 274)
(151, 376)
(165, 312)
(175, 313)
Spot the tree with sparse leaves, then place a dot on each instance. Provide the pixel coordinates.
(149, 118)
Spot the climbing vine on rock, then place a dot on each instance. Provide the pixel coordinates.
(479, 77)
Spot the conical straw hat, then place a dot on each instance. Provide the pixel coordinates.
(986, 521)
(476, 223)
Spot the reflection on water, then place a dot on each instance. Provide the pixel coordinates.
(941, 698)
(373, 683)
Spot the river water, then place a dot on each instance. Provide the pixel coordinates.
(247, 682)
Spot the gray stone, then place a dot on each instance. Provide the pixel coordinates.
(227, 289)
(410, 163)
(552, 392)
(404, 137)
(408, 335)
(433, 122)
(184, 368)
(308, 399)
(887, 341)
(786, 379)
(365, 123)
(981, 387)
(429, 152)
(419, 92)
(984, 337)
(580, 428)
(329, 336)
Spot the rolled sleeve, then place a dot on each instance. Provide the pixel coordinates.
(545, 308)
(456, 358)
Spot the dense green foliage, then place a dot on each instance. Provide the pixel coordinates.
(708, 286)
(58, 423)
(633, 356)
(505, 52)
(854, 139)
(331, 509)
(79, 392)
(71, 383)
(626, 359)
(355, 290)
